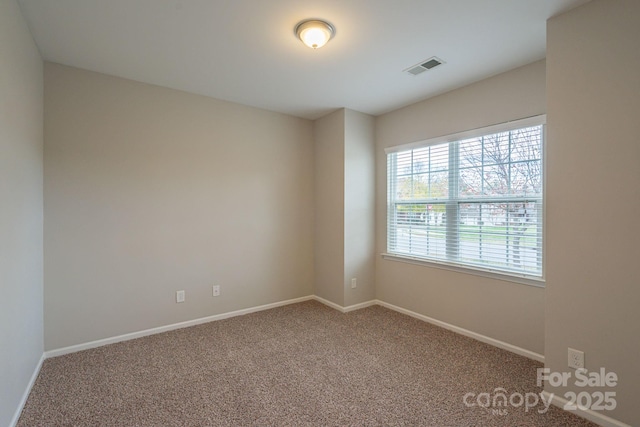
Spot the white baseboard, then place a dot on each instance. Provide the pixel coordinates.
(158, 330)
(329, 303)
(593, 416)
(483, 338)
(347, 308)
(26, 393)
(140, 334)
(359, 306)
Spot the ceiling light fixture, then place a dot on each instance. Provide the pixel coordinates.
(314, 33)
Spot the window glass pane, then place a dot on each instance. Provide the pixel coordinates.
(404, 163)
(501, 234)
(421, 160)
(440, 157)
(526, 178)
(421, 186)
(471, 152)
(526, 144)
(496, 180)
(496, 149)
(421, 230)
(470, 182)
(439, 185)
(404, 186)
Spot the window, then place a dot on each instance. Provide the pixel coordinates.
(473, 199)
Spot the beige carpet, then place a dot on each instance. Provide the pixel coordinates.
(303, 364)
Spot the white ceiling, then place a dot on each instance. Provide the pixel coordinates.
(245, 50)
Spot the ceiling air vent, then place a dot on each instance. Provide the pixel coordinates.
(425, 65)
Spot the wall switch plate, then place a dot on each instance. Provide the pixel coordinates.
(576, 358)
(180, 296)
(216, 290)
(354, 283)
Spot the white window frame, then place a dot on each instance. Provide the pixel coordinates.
(461, 267)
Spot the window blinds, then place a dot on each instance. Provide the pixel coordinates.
(475, 201)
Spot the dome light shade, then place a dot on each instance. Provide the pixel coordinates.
(314, 33)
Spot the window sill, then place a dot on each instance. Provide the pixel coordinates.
(521, 279)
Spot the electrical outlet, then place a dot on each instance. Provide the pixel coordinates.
(354, 283)
(180, 296)
(576, 358)
(216, 290)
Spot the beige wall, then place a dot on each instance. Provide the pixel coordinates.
(593, 98)
(502, 310)
(359, 207)
(150, 190)
(21, 335)
(344, 199)
(329, 207)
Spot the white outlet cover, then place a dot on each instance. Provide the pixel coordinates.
(575, 358)
(354, 283)
(180, 296)
(216, 290)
